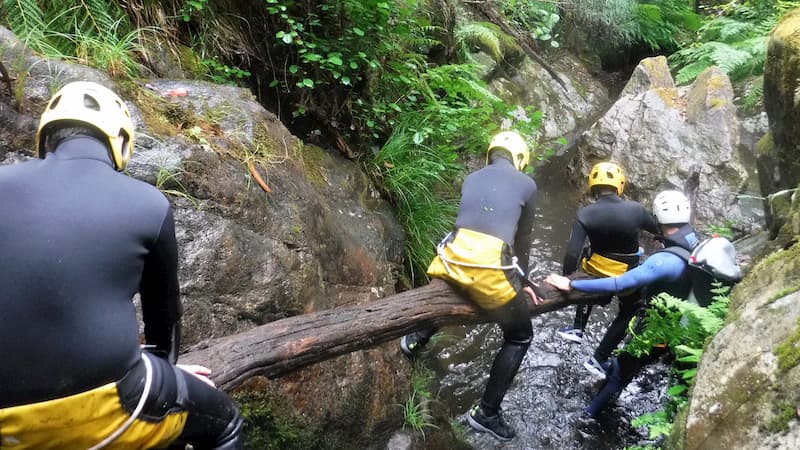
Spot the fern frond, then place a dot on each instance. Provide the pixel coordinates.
(727, 29)
(96, 17)
(727, 57)
(25, 18)
(756, 94)
(690, 72)
(486, 36)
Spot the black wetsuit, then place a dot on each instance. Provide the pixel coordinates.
(499, 200)
(612, 226)
(77, 241)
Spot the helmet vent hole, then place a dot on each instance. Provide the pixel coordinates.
(91, 103)
(610, 175)
(54, 103)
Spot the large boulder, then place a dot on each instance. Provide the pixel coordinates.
(745, 393)
(568, 103)
(779, 152)
(668, 137)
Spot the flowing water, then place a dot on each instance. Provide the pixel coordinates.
(551, 387)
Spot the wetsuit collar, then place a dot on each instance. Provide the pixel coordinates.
(685, 237)
(502, 161)
(82, 147)
(610, 197)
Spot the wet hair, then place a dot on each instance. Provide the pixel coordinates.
(53, 136)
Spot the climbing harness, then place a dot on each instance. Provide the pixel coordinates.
(148, 381)
(481, 264)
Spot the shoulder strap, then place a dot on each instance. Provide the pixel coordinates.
(678, 251)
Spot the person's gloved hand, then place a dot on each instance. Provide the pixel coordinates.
(201, 372)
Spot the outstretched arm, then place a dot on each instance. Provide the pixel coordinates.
(660, 266)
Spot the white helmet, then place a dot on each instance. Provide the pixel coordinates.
(672, 207)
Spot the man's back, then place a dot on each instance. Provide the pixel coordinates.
(613, 224)
(74, 239)
(494, 198)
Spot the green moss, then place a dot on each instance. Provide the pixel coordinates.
(784, 413)
(268, 426)
(784, 292)
(190, 61)
(314, 158)
(792, 253)
(669, 96)
(766, 145)
(716, 82)
(717, 102)
(788, 352)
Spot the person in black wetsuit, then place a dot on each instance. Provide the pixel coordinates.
(612, 227)
(79, 240)
(487, 256)
(663, 271)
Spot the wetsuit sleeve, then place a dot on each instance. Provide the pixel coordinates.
(524, 235)
(649, 222)
(661, 266)
(577, 239)
(161, 303)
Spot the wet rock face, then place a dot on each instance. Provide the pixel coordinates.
(668, 137)
(778, 159)
(745, 394)
(566, 105)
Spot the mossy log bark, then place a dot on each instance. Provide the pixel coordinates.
(285, 345)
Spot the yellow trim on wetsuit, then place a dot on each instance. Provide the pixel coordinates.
(81, 421)
(488, 285)
(601, 266)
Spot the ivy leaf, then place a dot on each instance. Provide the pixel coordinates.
(346, 81)
(358, 31)
(335, 59)
(293, 68)
(307, 82)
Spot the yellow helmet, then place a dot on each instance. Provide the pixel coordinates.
(514, 144)
(607, 174)
(91, 104)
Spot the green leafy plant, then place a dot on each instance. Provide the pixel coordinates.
(685, 328)
(734, 39)
(416, 410)
(93, 32)
(539, 18)
(656, 24)
(484, 36)
(223, 74)
(417, 415)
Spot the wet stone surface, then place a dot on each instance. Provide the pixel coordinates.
(550, 390)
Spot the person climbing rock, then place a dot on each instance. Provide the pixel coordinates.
(663, 271)
(487, 256)
(612, 226)
(80, 239)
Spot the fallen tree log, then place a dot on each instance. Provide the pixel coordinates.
(285, 345)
